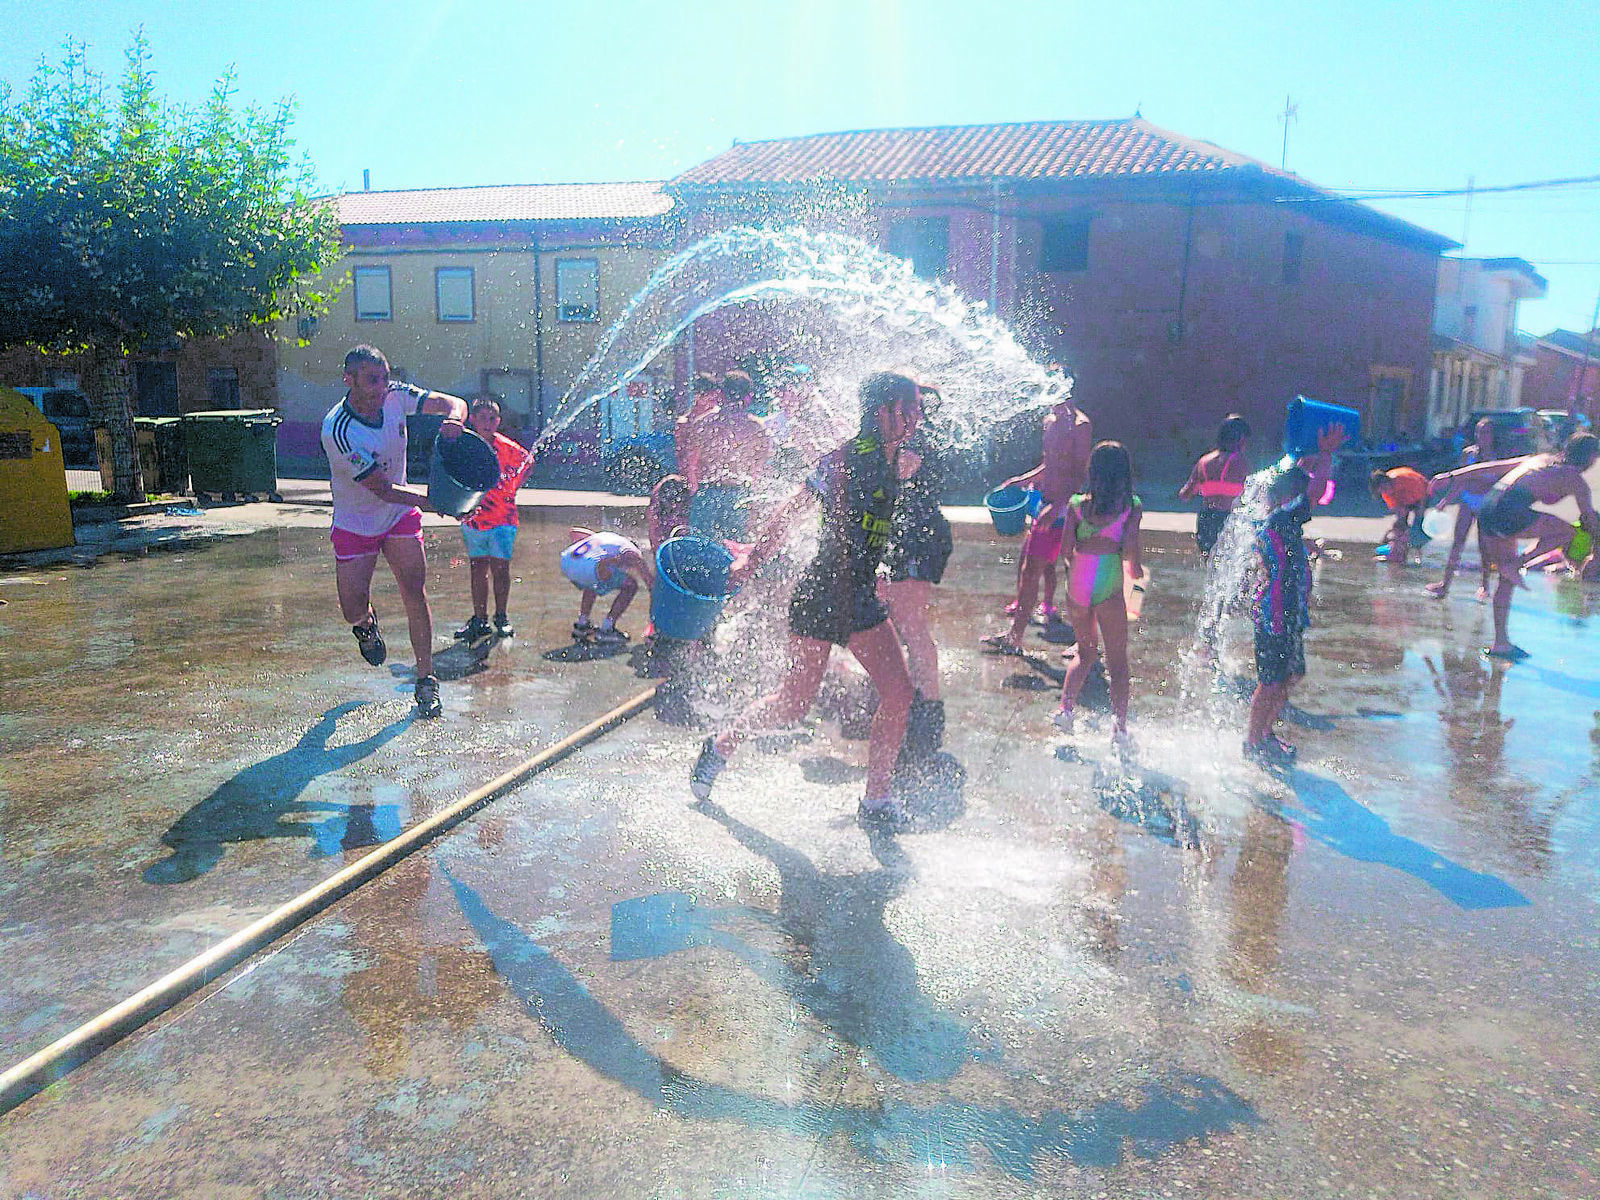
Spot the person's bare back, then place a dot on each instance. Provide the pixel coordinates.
(1064, 464)
(731, 447)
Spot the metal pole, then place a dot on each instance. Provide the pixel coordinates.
(32, 1075)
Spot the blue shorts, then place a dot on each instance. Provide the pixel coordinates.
(495, 543)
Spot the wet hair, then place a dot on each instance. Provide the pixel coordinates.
(364, 354)
(705, 381)
(1232, 433)
(1377, 481)
(885, 389)
(738, 387)
(1288, 483)
(1110, 479)
(481, 403)
(1581, 450)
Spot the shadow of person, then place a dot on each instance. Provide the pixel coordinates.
(253, 804)
(585, 651)
(459, 660)
(1150, 800)
(848, 970)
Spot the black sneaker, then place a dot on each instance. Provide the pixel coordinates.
(705, 771)
(888, 814)
(370, 641)
(582, 631)
(610, 637)
(427, 694)
(475, 632)
(502, 626)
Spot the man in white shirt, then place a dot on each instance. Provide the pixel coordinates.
(364, 436)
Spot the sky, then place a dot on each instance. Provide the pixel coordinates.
(438, 93)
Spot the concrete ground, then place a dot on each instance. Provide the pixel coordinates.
(1373, 975)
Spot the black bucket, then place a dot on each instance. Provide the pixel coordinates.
(459, 473)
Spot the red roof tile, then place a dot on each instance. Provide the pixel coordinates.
(1030, 150)
(515, 202)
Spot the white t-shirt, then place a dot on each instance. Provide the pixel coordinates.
(356, 449)
(580, 562)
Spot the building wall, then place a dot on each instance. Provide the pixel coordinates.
(498, 351)
(252, 354)
(1183, 314)
(1559, 380)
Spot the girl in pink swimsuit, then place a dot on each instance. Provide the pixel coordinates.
(1102, 537)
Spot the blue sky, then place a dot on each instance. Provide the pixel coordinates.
(1389, 95)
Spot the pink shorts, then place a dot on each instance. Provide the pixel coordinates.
(1044, 541)
(347, 545)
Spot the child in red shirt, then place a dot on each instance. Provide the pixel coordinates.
(491, 529)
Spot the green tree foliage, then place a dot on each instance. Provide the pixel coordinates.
(127, 221)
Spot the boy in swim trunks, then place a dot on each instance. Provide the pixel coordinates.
(1282, 613)
(1404, 492)
(1062, 469)
(490, 530)
(729, 450)
(598, 564)
(1508, 516)
(364, 437)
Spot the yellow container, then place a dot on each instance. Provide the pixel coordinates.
(34, 514)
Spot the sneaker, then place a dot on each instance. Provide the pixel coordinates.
(885, 813)
(502, 626)
(1268, 753)
(999, 643)
(582, 630)
(1288, 752)
(475, 632)
(610, 637)
(1062, 720)
(427, 694)
(705, 771)
(370, 641)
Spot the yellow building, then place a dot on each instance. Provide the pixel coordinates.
(475, 291)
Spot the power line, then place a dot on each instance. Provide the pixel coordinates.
(1358, 194)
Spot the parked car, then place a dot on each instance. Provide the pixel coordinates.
(1516, 430)
(68, 410)
(1559, 425)
(634, 465)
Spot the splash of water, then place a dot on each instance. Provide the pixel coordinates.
(1230, 563)
(838, 304)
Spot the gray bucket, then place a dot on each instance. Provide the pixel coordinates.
(459, 473)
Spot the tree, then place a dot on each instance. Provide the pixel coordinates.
(128, 222)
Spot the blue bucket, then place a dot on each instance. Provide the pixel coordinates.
(1306, 419)
(459, 473)
(691, 584)
(1035, 501)
(1008, 509)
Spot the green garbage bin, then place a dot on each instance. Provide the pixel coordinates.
(233, 451)
(171, 452)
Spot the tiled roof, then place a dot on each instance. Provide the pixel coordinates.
(514, 202)
(1574, 343)
(1032, 150)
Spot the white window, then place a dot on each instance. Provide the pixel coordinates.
(578, 289)
(373, 294)
(453, 288)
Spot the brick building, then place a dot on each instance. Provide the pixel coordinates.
(1177, 280)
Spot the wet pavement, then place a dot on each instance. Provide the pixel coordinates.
(1371, 976)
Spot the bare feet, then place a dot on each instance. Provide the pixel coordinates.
(1483, 595)
(1439, 590)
